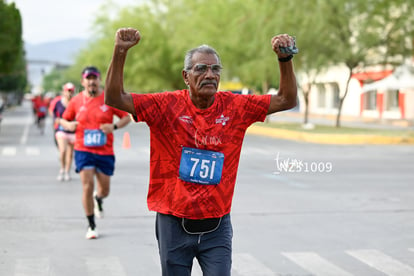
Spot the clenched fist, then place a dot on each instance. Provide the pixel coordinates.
(282, 40)
(125, 38)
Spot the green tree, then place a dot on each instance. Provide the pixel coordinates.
(54, 81)
(13, 76)
(248, 46)
(357, 33)
(368, 32)
(315, 55)
(170, 28)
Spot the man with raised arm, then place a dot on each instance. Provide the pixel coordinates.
(196, 139)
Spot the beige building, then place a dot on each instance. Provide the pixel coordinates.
(373, 95)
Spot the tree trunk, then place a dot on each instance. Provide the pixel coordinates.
(342, 99)
(306, 97)
(306, 89)
(338, 116)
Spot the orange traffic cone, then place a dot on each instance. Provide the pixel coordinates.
(126, 143)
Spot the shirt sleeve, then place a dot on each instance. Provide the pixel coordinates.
(254, 108)
(119, 113)
(70, 111)
(148, 107)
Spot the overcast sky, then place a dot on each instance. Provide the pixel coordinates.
(51, 20)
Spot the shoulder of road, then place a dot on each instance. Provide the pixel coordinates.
(265, 129)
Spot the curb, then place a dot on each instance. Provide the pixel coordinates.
(339, 139)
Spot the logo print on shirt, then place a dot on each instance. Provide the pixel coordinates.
(222, 120)
(206, 140)
(104, 108)
(186, 119)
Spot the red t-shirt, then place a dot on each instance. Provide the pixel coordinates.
(51, 109)
(91, 112)
(41, 107)
(175, 123)
(53, 103)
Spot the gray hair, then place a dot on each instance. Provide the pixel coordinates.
(205, 49)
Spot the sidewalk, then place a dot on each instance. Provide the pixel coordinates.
(295, 117)
(346, 121)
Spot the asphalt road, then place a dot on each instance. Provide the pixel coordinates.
(299, 209)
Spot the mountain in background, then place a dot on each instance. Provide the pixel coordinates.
(42, 58)
(62, 51)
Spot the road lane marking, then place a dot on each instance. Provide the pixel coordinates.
(246, 265)
(109, 266)
(315, 264)
(196, 270)
(23, 139)
(12, 151)
(32, 267)
(32, 151)
(243, 264)
(9, 151)
(382, 262)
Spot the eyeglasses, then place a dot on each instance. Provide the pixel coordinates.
(201, 68)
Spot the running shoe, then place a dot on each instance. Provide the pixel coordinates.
(91, 234)
(66, 177)
(60, 176)
(98, 210)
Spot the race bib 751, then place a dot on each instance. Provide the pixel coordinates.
(201, 166)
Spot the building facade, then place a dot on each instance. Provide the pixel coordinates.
(372, 95)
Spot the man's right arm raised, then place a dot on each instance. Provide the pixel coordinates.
(115, 95)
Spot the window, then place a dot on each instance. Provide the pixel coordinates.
(391, 100)
(321, 95)
(370, 100)
(335, 95)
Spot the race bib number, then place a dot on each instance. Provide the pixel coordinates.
(94, 138)
(201, 166)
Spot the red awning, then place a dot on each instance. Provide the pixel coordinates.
(372, 76)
